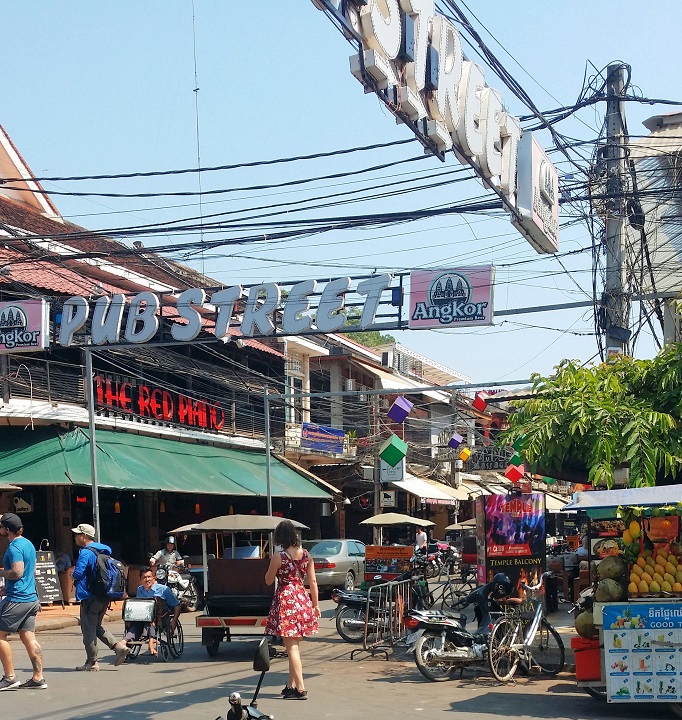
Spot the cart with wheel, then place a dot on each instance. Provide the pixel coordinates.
(154, 619)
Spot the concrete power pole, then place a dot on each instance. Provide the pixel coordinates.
(615, 298)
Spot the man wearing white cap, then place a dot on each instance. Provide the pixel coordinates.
(92, 607)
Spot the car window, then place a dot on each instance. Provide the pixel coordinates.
(356, 549)
(322, 547)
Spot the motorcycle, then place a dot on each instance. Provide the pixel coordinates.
(351, 607)
(181, 583)
(239, 711)
(440, 640)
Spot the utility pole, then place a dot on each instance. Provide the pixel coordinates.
(615, 300)
(377, 468)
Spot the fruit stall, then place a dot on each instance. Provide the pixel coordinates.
(629, 647)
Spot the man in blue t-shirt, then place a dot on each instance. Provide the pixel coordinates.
(151, 589)
(20, 606)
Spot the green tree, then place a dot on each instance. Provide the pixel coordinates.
(622, 413)
(368, 338)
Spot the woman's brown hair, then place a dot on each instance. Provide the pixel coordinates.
(286, 535)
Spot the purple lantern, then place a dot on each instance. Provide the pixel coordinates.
(455, 441)
(400, 409)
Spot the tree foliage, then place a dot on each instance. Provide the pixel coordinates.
(623, 413)
(368, 338)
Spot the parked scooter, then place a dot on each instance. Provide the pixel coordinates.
(351, 607)
(239, 711)
(182, 584)
(440, 640)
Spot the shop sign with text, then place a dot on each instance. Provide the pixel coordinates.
(451, 298)
(24, 326)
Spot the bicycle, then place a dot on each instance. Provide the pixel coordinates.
(528, 638)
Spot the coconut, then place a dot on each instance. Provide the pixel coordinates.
(584, 625)
(608, 590)
(613, 567)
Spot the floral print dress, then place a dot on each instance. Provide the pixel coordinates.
(291, 613)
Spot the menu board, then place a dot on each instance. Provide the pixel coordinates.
(643, 652)
(47, 579)
(387, 561)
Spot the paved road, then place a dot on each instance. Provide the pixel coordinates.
(196, 687)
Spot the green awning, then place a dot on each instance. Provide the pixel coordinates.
(125, 461)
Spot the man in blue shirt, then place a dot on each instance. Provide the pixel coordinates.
(92, 607)
(20, 606)
(151, 589)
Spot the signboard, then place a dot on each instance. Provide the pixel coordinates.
(451, 298)
(24, 326)
(411, 57)
(538, 196)
(387, 561)
(642, 658)
(319, 437)
(387, 499)
(47, 579)
(390, 473)
(515, 537)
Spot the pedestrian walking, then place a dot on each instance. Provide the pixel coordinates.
(20, 606)
(420, 539)
(92, 607)
(294, 612)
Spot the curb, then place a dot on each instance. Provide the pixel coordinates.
(63, 622)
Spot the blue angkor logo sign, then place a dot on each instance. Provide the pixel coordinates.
(449, 301)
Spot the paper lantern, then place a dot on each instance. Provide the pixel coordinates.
(480, 401)
(549, 480)
(465, 454)
(455, 441)
(393, 450)
(400, 409)
(514, 473)
(516, 459)
(518, 443)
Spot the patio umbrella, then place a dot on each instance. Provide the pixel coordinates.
(237, 523)
(395, 519)
(464, 525)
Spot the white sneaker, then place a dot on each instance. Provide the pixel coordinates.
(8, 684)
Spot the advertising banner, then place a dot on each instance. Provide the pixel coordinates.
(641, 651)
(515, 538)
(387, 561)
(319, 437)
(24, 326)
(461, 297)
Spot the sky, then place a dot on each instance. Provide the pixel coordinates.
(106, 88)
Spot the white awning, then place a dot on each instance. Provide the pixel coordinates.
(554, 503)
(389, 381)
(644, 496)
(429, 492)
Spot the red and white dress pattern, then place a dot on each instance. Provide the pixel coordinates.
(291, 613)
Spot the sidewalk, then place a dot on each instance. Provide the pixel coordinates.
(54, 617)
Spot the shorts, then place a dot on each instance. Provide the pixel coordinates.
(17, 616)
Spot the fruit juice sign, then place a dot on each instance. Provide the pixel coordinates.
(642, 643)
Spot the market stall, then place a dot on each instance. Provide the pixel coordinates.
(630, 646)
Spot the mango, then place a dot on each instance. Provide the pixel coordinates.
(654, 587)
(660, 569)
(634, 588)
(647, 578)
(643, 586)
(670, 568)
(641, 562)
(634, 529)
(669, 577)
(664, 552)
(634, 578)
(677, 587)
(627, 537)
(657, 578)
(678, 576)
(637, 570)
(666, 586)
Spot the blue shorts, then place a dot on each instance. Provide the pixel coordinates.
(17, 616)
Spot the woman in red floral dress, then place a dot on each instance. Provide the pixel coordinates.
(294, 612)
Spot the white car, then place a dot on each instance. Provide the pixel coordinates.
(339, 563)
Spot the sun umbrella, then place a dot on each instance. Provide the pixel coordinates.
(464, 525)
(395, 519)
(237, 523)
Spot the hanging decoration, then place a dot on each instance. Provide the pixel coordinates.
(480, 402)
(455, 441)
(400, 409)
(514, 473)
(465, 454)
(393, 450)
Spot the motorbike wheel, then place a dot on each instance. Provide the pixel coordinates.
(548, 650)
(351, 635)
(502, 657)
(190, 597)
(433, 669)
(432, 570)
(599, 693)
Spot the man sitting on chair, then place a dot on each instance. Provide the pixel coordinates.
(151, 589)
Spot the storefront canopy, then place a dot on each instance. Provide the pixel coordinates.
(429, 493)
(125, 461)
(643, 497)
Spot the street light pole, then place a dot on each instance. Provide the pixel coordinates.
(90, 396)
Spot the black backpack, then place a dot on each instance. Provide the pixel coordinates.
(107, 579)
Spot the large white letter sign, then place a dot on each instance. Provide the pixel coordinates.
(372, 288)
(107, 318)
(491, 158)
(382, 26)
(294, 321)
(510, 130)
(144, 309)
(257, 312)
(186, 301)
(330, 316)
(443, 104)
(422, 11)
(224, 301)
(469, 130)
(74, 314)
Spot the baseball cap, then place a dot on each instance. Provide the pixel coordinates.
(11, 522)
(85, 529)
